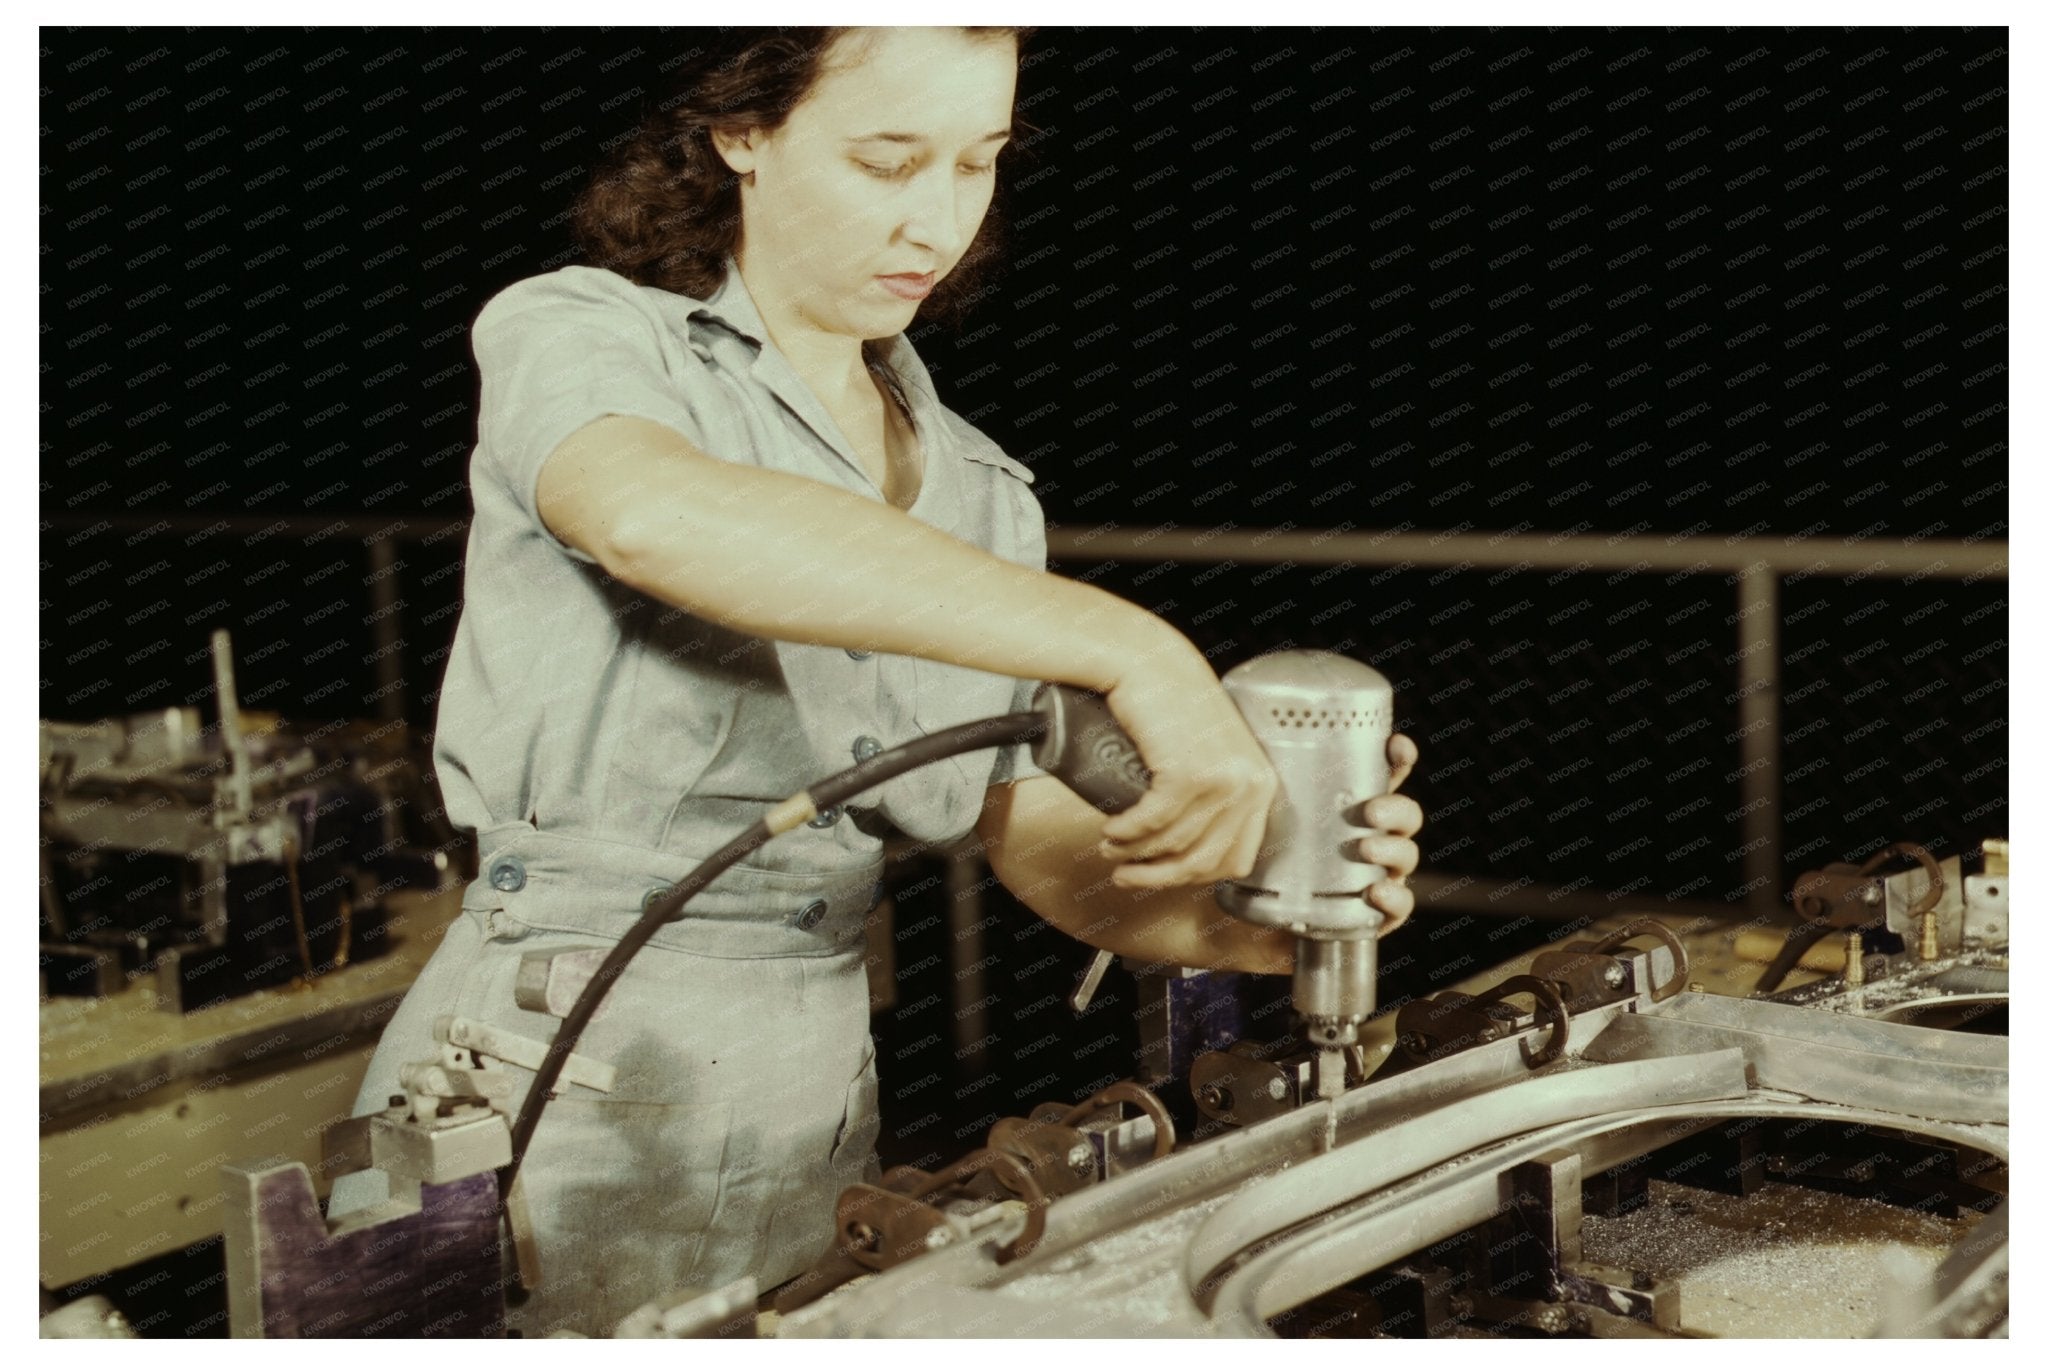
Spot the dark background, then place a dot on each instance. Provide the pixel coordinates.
(1641, 283)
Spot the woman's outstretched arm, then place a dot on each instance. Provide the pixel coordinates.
(791, 558)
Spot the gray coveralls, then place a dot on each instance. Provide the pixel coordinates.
(601, 744)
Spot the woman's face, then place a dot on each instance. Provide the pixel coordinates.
(885, 168)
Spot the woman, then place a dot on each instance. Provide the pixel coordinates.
(726, 542)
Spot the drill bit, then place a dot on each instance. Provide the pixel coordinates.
(1329, 1069)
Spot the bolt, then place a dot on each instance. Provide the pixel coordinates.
(937, 1238)
(1215, 1097)
(1614, 975)
(1930, 937)
(1551, 1317)
(1276, 1088)
(1080, 1157)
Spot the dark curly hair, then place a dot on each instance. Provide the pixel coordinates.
(663, 208)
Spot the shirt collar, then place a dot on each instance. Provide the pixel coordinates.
(733, 304)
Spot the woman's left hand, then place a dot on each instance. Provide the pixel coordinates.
(1394, 820)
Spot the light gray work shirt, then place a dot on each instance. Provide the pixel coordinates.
(602, 742)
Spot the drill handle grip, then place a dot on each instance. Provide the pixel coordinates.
(1085, 748)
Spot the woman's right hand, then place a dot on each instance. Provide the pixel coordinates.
(1204, 818)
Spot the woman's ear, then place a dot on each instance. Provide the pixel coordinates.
(735, 149)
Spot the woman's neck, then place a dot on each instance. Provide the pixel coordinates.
(831, 364)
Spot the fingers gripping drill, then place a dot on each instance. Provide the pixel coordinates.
(1324, 720)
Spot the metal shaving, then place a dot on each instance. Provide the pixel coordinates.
(1908, 983)
(1784, 1261)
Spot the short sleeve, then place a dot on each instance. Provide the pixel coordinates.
(1013, 762)
(559, 351)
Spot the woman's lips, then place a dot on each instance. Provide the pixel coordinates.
(909, 286)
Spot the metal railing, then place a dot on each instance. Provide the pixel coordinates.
(1758, 565)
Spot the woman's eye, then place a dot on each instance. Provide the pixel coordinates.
(896, 172)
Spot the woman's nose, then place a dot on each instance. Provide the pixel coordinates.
(934, 222)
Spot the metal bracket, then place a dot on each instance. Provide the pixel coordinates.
(1547, 1198)
(1986, 911)
(488, 1043)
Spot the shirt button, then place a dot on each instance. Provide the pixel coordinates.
(825, 819)
(860, 654)
(865, 748)
(810, 916)
(653, 892)
(508, 873)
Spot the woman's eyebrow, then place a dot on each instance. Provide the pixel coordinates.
(914, 140)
